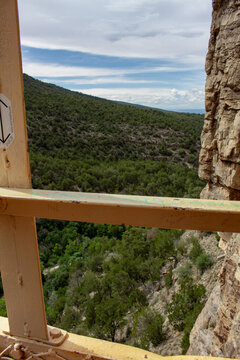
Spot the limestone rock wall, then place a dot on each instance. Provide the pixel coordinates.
(217, 330)
(220, 153)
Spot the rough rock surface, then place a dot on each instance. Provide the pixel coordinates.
(217, 330)
(201, 336)
(160, 297)
(220, 153)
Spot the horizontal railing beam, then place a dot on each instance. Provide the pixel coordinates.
(168, 213)
(80, 347)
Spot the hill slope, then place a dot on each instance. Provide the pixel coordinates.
(122, 131)
(79, 142)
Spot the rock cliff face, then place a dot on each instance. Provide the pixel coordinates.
(217, 330)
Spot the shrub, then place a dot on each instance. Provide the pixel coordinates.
(165, 244)
(203, 261)
(147, 328)
(185, 308)
(95, 263)
(184, 271)
(191, 159)
(184, 302)
(199, 257)
(181, 246)
(182, 152)
(189, 322)
(217, 237)
(168, 279)
(196, 249)
(164, 150)
(110, 313)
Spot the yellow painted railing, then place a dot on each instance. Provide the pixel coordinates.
(161, 212)
(18, 206)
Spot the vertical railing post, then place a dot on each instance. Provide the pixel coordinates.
(19, 259)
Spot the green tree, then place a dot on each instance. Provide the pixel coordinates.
(183, 302)
(147, 328)
(110, 316)
(203, 261)
(196, 249)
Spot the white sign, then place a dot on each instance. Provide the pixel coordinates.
(6, 122)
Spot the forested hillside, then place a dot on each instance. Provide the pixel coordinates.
(99, 279)
(78, 142)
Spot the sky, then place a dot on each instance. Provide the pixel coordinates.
(148, 52)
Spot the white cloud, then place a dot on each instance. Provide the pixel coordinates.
(164, 98)
(174, 29)
(103, 80)
(56, 70)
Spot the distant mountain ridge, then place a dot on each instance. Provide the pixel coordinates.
(191, 111)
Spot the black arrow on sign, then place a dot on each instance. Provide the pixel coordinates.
(2, 137)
